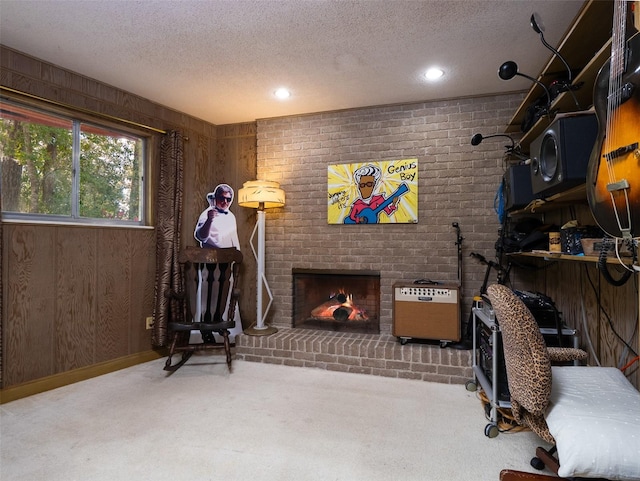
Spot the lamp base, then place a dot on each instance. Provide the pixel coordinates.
(260, 331)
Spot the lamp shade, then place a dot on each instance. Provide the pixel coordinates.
(264, 194)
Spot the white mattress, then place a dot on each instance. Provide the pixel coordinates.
(594, 416)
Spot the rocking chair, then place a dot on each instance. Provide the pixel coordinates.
(206, 302)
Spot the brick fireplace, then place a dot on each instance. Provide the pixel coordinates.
(336, 300)
(457, 182)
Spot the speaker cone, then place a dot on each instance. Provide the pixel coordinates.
(549, 160)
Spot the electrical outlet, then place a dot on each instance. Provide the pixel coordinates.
(149, 322)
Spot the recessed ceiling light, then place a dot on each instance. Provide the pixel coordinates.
(282, 93)
(434, 73)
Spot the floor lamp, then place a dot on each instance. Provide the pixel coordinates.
(261, 195)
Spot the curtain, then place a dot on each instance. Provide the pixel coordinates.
(168, 226)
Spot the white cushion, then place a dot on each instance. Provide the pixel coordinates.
(594, 416)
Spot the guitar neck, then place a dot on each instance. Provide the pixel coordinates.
(400, 191)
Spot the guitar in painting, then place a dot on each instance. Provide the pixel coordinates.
(369, 215)
(613, 174)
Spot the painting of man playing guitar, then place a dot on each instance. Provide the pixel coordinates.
(367, 208)
(374, 192)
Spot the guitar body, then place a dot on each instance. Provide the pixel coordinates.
(615, 160)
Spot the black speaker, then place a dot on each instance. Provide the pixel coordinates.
(517, 187)
(559, 157)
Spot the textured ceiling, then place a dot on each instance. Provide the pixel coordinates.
(221, 60)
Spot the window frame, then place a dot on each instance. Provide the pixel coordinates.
(79, 119)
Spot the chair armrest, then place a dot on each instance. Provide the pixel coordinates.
(512, 475)
(564, 354)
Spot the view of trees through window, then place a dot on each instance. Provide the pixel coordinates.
(56, 166)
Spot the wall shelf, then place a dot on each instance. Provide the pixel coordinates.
(586, 46)
(569, 197)
(557, 256)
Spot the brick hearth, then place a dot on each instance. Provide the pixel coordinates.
(380, 355)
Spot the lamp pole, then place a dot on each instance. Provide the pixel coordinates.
(260, 328)
(261, 195)
(262, 285)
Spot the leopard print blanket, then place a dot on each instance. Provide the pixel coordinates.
(527, 360)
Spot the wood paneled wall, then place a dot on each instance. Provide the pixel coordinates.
(604, 314)
(75, 296)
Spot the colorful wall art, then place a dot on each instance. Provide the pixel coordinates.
(384, 192)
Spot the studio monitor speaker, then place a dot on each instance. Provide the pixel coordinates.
(517, 187)
(559, 157)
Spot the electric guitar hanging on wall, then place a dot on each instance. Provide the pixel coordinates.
(613, 174)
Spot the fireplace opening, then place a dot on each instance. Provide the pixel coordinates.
(337, 300)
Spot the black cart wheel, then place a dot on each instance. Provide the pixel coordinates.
(491, 430)
(537, 463)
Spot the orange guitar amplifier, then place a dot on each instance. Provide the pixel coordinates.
(426, 311)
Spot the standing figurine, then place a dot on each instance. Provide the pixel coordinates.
(217, 227)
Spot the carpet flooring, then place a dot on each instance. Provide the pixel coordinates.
(261, 422)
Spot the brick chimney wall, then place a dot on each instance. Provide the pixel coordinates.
(457, 183)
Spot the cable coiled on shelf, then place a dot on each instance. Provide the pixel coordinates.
(602, 265)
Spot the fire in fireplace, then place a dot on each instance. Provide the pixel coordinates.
(337, 300)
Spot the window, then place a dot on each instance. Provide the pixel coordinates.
(60, 168)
